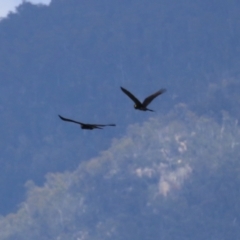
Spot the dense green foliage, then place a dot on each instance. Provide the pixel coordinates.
(172, 177)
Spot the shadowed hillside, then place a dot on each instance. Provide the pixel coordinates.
(71, 58)
(166, 178)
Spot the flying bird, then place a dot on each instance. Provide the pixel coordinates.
(87, 125)
(143, 106)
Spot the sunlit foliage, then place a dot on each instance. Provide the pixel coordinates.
(172, 177)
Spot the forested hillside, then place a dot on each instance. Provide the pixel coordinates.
(71, 58)
(165, 179)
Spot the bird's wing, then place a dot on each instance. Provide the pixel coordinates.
(97, 126)
(103, 125)
(137, 102)
(70, 120)
(148, 100)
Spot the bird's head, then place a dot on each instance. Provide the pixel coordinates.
(135, 106)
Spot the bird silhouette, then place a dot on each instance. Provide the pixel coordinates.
(143, 106)
(87, 125)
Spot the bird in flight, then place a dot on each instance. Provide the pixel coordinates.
(87, 125)
(143, 106)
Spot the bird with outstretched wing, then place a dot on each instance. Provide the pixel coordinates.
(87, 125)
(143, 106)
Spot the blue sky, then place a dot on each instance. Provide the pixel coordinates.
(10, 5)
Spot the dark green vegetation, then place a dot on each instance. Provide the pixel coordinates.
(72, 57)
(87, 125)
(143, 106)
(165, 179)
